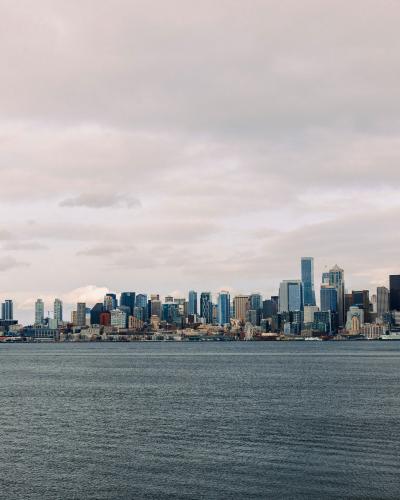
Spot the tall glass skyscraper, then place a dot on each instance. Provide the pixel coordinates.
(329, 300)
(39, 312)
(127, 299)
(58, 310)
(7, 310)
(224, 308)
(336, 279)
(192, 302)
(206, 306)
(307, 278)
(290, 296)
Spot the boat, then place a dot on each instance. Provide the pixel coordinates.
(390, 336)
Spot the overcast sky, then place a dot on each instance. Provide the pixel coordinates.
(160, 146)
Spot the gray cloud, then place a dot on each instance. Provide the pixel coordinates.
(101, 200)
(7, 263)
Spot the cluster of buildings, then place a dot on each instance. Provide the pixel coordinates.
(292, 314)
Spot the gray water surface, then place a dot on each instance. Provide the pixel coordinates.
(200, 420)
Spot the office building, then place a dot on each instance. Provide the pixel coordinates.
(127, 299)
(81, 314)
(39, 312)
(307, 279)
(58, 311)
(328, 298)
(119, 318)
(7, 310)
(206, 310)
(95, 314)
(240, 306)
(224, 308)
(192, 303)
(382, 301)
(110, 302)
(394, 285)
(336, 279)
(290, 296)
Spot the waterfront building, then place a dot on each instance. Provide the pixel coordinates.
(192, 303)
(394, 285)
(241, 306)
(290, 296)
(307, 279)
(224, 308)
(81, 314)
(58, 311)
(7, 310)
(382, 301)
(39, 312)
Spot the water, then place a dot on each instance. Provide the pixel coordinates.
(204, 420)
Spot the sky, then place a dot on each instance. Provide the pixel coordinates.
(165, 146)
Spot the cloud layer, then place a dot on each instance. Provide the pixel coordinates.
(173, 145)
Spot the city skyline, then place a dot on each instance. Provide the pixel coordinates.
(152, 154)
(294, 294)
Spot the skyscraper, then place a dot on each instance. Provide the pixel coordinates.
(141, 301)
(39, 312)
(81, 314)
(95, 314)
(206, 306)
(336, 279)
(7, 310)
(192, 305)
(290, 296)
(382, 301)
(110, 302)
(360, 298)
(58, 310)
(241, 306)
(224, 308)
(127, 299)
(307, 279)
(328, 296)
(394, 284)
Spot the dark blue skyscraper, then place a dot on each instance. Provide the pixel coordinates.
(206, 306)
(192, 303)
(329, 300)
(128, 300)
(307, 278)
(224, 308)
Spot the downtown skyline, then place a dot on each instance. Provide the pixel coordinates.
(162, 146)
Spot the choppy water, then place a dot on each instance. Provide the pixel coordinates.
(206, 420)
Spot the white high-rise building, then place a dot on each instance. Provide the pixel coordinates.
(58, 311)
